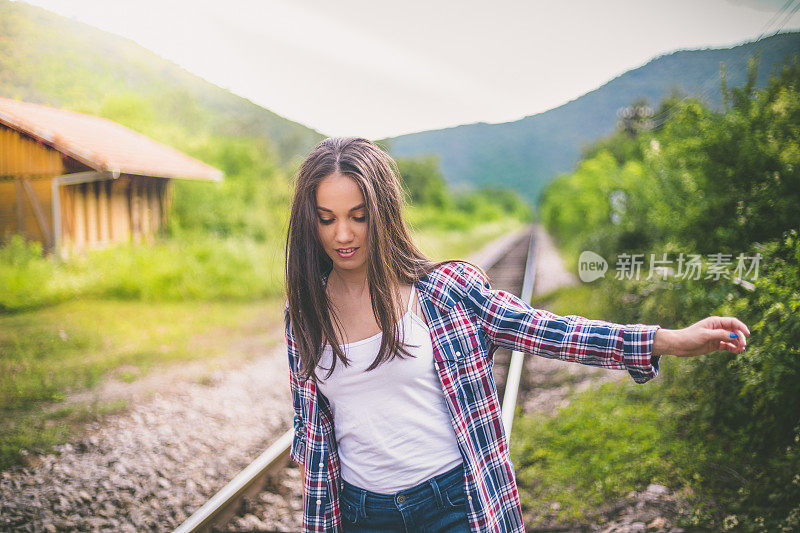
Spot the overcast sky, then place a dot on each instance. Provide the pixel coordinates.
(377, 69)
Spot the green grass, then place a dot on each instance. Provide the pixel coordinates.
(51, 353)
(123, 313)
(442, 244)
(609, 441)
(37, 430)
(187, 268)
(574, 300)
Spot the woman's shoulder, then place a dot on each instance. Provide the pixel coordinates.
(454, 279)
(459, 271)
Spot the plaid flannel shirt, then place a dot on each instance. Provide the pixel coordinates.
(468, 321)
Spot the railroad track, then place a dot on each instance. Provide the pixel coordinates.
(271, 481)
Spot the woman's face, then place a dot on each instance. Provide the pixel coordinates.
(342, 222)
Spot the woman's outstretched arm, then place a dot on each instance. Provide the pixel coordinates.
(512, 323)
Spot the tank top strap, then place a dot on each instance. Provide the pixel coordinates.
(410, 299)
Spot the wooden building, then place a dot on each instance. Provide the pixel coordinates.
(74, 181)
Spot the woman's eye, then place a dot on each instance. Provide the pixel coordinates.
(324, 221)
(360, 219)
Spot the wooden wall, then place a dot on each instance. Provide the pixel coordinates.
(100, 213)
(26, 169)
(93, 214)
(22, 156)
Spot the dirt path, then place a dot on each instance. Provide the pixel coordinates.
(240, 352)
(551, 273)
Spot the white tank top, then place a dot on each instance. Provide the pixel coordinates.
(393, 429)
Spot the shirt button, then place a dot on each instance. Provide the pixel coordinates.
(321, 465)
(458, 353)
(401, 499)
(319, 502)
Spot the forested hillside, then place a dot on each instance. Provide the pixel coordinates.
(46, 58)
(526, 154)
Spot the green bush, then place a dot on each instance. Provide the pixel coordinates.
(745, 408)
(423, 181)
(710, 182)
(24, 275)
(706, 180)
(251, 202)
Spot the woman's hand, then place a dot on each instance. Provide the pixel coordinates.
(708, 335)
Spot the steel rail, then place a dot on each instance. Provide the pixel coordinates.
(517, 358)
(223, 505)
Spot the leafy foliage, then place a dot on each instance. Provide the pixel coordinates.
(745, 407)
(733, 176)
(708, 182)
(423, 181)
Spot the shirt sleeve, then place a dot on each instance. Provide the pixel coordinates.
(298, 449)
(511, 323)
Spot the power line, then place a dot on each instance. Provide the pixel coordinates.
(660, 118)
(787, 17)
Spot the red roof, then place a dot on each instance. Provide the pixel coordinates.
(101, 143)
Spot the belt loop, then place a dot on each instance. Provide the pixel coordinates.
(362, 508)
(436, 493)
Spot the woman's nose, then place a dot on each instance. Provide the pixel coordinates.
(343, 232)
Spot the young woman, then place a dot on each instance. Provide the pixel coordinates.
(397, 419)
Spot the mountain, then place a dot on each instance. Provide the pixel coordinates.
(527, 153)
(50, 59)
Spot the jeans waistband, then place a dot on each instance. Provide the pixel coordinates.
(447, 479)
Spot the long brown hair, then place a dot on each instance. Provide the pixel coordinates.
(392, 257)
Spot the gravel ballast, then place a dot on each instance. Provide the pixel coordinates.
(149, 468)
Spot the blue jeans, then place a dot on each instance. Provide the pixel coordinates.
(436, 505)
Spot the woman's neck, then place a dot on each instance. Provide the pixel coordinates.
(351, 284)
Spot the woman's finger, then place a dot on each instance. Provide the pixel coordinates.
(735, 338)
(727, 340)
(734, 324)
(741, 326)
(730, 347)
(739, 339)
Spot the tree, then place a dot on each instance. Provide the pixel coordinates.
(423, 181)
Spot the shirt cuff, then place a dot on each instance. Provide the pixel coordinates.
(637, 351)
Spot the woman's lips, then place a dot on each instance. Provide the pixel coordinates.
(350, 253)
